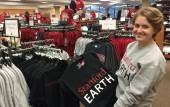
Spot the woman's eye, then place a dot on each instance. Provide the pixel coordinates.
(145, 26)
(136, 26)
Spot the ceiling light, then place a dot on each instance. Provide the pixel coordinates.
(12, 3)
(44, 2)
(113, 3)
(104, 0)
(14, 0)
(96, 3)
(46, 6)
(118, 6)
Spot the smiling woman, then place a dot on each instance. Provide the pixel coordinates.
(143, 31)
(137, 87)
(147, 23)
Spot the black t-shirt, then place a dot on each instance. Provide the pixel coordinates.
(90, 81)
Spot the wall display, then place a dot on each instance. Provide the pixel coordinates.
(12, 27)
(108, 24)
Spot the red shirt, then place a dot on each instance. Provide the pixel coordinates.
(131, 13)
(93, 15)
(67, 14)
(79, 4)
(2, 18)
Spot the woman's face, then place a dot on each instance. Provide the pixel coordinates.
(143, 30)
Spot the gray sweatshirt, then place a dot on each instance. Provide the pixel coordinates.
(12, 91)
(139, 74)
(3, 101)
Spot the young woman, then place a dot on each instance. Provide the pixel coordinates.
(143, 65)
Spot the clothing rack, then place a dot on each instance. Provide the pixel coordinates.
(37, 42)
(52, 53)
(97, 34)
(61, 28)
(35, 47)
(4, 49)
(106, 33)
(47, 48)
(54, 28)
(9, 50)
(40, 26)
(40, 49)
(7, 53)
(121, 33)
(23, 50)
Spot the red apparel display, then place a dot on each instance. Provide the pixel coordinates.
(2, 18)
(67, 14)
(120, 45)
(93, 15)
(79, 5)
(64, 40)
(131, 12)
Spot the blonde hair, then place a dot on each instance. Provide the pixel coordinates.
(153, 16)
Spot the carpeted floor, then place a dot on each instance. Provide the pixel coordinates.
(163, 96)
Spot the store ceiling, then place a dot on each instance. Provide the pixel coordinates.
(63, 2)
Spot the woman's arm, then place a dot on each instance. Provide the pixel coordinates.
(147, 77)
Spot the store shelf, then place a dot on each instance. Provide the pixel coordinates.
(164, 6)
(166, 43)
(167, 56)
(167, 31)
(163, 2)
(166, 13)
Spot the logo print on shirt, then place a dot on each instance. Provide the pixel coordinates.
(124, 72)
(127, 60)
(101, 57)
(127, 68)
(80, 64)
